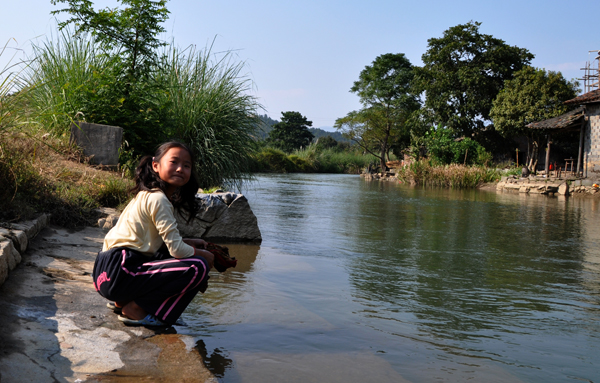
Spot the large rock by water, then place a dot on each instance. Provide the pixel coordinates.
(222, 217)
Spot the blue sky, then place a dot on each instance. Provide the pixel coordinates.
(305, 55)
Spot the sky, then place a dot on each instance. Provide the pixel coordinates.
(305, 55)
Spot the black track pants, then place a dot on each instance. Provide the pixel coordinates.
(163, 286)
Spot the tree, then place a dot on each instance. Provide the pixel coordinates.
(532, 95)
(291, 132)
(132, 31)
(385, 91)
(462, 74)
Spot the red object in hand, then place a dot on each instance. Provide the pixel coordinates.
(223, 260)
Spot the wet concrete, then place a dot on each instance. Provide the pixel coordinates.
(54, 327)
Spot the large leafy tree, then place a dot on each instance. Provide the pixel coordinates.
(291, 132)
(532, 95)
(385, 91)
(462, 74)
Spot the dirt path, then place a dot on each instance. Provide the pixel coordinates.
(54, 327)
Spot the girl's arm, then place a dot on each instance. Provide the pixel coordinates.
(196, 242)
(210, 258)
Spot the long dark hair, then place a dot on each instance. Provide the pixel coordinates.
(147, 179)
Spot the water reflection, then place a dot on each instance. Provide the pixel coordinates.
(428, 284)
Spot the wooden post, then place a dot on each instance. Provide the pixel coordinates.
(517, 157)
(548, 157)
(581, 135)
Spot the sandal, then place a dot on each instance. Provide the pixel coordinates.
(114, 308)
(149, 320)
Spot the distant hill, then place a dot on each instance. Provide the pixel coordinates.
(266, 125)
(317, 132)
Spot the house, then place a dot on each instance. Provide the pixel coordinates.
(590, 101)
(585, 119)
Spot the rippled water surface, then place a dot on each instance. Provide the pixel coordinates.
(379, 282)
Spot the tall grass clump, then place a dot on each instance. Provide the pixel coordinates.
(188, 94)
(211, 108)
(71, 78)
(334, 160)
(453, 176)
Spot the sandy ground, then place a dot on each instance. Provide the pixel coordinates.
(54, 327)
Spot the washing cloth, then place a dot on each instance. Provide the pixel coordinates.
(223, 260)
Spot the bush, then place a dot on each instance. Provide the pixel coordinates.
(190, 95)
(444, 149)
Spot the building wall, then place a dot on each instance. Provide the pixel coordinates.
(592, 138)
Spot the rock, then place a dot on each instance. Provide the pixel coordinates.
(222, 216)
(523, 189)
(211, 206)
(9, 258)
(237, 223)
(227, 198)
(563, 189)
(5, 254)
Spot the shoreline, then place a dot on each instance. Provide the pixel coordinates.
(55, 327)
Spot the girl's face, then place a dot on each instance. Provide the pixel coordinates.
(175, 168)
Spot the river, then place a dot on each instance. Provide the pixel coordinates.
(360, 281)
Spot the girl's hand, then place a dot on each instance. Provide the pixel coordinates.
(196, 242)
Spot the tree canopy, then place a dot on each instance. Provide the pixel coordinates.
(132, 30)
(385, 91)
(462, 74)
(291, 132)
(532, 95)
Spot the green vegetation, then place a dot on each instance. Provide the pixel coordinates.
(453, 176)
(462, 74)
(109, 67)
(313, 159)
(291, 133)
(388, 103)
(532, 95)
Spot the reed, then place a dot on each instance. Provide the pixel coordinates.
(70, 78)
(212, 109)
(452, 176)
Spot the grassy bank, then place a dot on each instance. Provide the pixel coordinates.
(453, 176)
(44, 174)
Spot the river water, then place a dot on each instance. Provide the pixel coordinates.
(360, 281)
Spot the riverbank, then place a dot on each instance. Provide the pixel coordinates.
(55, 327)
(468, 177)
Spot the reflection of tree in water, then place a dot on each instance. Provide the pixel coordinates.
(217, 363)
(459, 264)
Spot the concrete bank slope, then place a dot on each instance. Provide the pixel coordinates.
(54, 327)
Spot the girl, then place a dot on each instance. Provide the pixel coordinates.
(145, 266)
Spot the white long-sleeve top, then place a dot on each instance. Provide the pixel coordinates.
(147, 222)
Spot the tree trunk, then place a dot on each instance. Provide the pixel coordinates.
(533, 160)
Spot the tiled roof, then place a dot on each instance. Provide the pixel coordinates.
(567, 120)
(586, 98)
